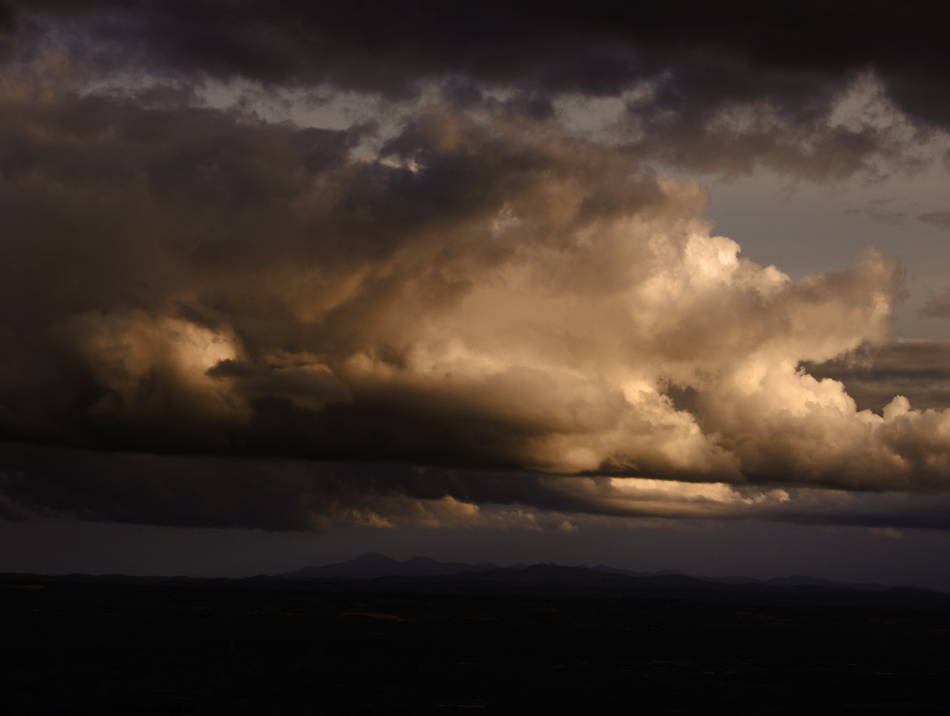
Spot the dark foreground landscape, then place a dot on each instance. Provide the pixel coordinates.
(540, 640)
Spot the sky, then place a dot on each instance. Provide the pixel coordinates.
(659, 285)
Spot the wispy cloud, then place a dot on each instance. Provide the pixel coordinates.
(937, 306)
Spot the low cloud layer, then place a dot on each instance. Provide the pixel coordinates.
(58, 483)
(216, 300)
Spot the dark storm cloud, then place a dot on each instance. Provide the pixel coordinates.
(728, 89)
(193, 301)
(494, 294)
(894, 218)
(248, 493)
(940, 219)
(227, 492)
(306, 496)
(600, 48)
(144, 250)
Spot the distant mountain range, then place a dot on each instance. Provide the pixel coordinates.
(373, 565)
(378, 574)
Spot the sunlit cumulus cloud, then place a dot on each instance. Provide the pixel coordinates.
(211, 319)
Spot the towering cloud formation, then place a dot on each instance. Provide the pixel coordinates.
(481, 288)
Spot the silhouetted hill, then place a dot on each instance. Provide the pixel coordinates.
(556, 581)
(366, 566)
(373, 565)
(794, 580)
(377, 573)
(799, 580)
(599, 579)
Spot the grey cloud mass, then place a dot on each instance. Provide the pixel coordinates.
(938, 306)
(706, 88)
(210, 319)
(940, 219)
(311, 496)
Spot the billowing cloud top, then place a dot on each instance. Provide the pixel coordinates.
(476, 286)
